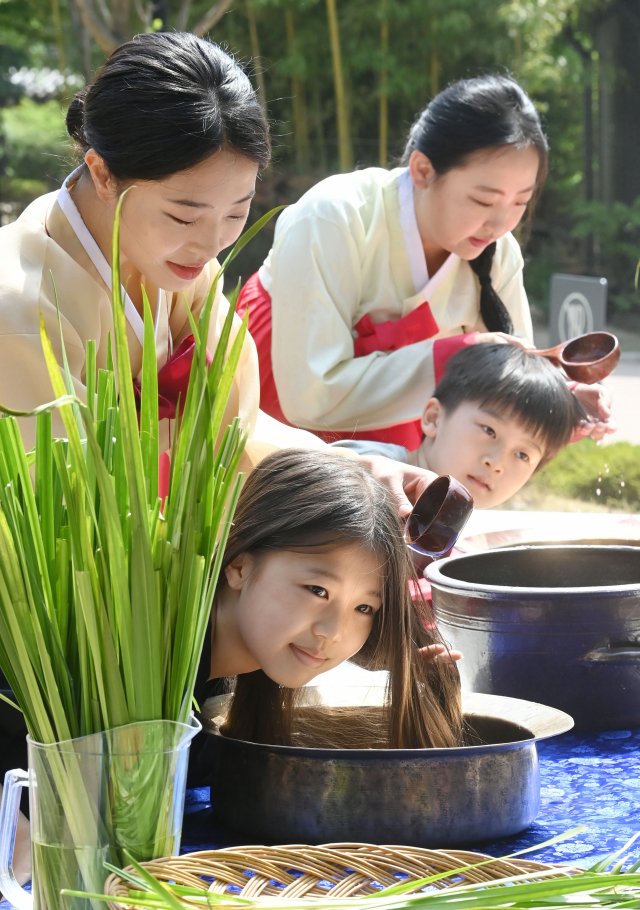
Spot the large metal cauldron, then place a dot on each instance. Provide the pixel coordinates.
(555, 624)
(417, 797)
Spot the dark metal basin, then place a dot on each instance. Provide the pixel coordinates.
(555, 624)
(417, 797)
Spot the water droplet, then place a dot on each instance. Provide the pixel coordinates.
(598, 492)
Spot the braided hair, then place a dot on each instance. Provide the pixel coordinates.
(494, 313)
(468, 116)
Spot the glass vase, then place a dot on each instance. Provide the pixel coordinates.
(90, 800)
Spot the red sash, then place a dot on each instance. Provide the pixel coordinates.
(173, 379)
(395, 334)
(382, 336)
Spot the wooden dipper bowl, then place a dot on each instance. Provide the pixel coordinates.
(587, 358)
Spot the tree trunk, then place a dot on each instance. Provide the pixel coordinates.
(102, 34)
(84, 41)
(318, 123)
(121, 20)
(183, 15)
(255, 55)
(618, 40)
(57, 24)
(384, 86)
(586, 56)
(588, 151)
(434, 61)
(300, 126)
(606, 52)
(345, 152)
(210, 18)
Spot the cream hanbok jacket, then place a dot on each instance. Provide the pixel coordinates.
(41, 248)
(349, 248)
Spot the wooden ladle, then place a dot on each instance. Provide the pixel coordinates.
(587, 358)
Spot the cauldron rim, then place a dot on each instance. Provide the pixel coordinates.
(550, 722)
(438, 579)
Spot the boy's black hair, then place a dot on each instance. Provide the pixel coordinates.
(517, 384)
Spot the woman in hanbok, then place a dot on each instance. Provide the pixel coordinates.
(173, 119)
(377, 277)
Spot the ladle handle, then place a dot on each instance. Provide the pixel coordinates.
(553, 353)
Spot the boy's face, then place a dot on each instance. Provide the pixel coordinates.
(492, 456)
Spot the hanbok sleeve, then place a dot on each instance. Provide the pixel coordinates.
(29, 261)
(317, 278)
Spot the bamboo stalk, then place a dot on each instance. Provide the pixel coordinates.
(256, 58)
(300, 125)
(345, 151)
(57, 24)
(435, 62)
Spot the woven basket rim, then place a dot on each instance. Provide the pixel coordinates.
(327, 871)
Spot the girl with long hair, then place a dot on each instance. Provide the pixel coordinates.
(316, 571)
(376, 278)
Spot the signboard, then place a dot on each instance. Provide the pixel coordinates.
(578, 306)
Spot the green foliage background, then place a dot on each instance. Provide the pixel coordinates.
(542, 43)
(608, 475)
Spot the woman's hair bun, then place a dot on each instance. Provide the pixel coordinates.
(75, 119)
(164, 102)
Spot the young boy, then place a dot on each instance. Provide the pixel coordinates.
(498, 414)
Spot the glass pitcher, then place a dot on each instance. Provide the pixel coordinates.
(90, 799)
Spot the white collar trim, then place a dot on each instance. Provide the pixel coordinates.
(413, 243)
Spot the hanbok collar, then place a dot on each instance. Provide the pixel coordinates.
(97, 257)
(413, 242)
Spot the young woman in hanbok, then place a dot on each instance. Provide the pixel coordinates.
(174, 119)
(377, 277)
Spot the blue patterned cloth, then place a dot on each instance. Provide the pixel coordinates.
(589, 778)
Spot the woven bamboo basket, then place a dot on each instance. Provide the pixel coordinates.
(329, 871)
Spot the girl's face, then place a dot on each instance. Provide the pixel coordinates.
(297, 614)
(171, 228)
(469, 207)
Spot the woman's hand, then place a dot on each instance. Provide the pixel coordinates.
(405, 482)
(439, 652)
(596, 401)
(502, 338)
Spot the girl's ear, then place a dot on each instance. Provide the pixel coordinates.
(422, 171)
(431, 417)
(103, 181)
(237, 572)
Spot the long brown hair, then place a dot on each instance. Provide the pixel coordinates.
(300, 498)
